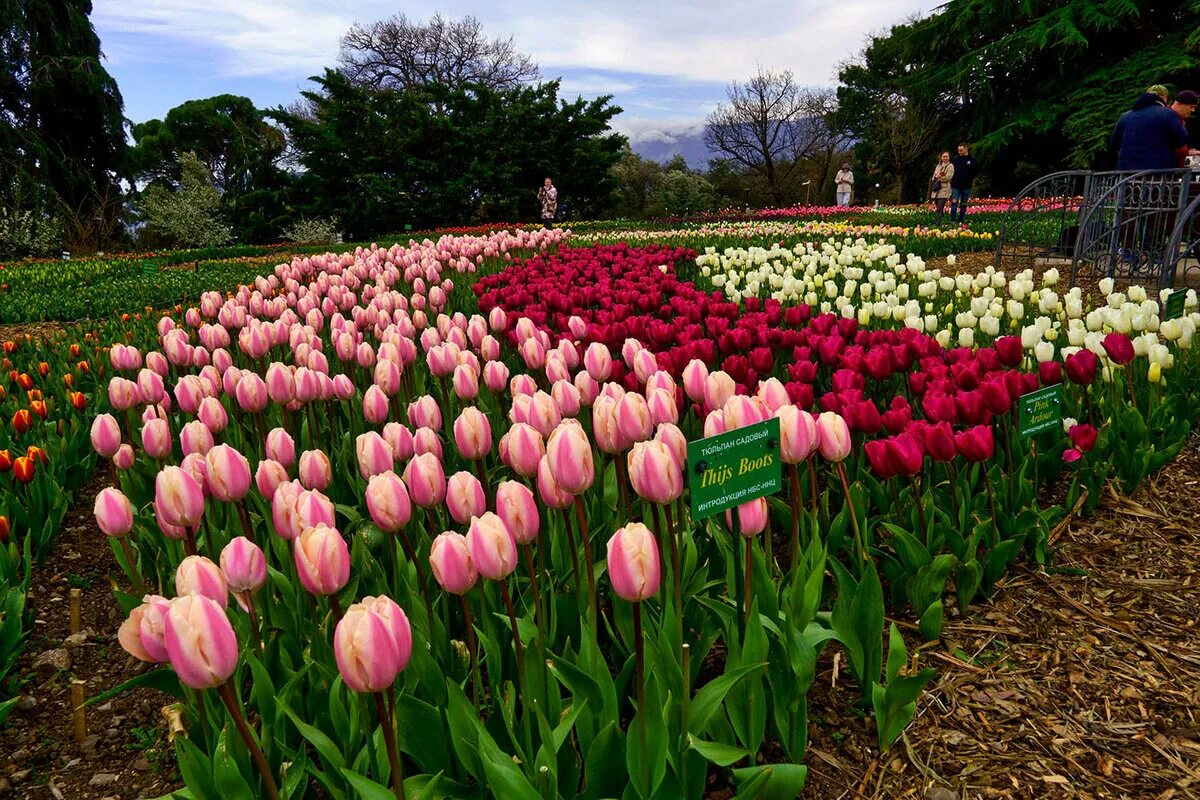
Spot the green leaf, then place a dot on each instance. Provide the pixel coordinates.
(367, 789)
(722, 755)
(710, 697)
(504, 779)
(783, 781)
(331, 755)
(604, 763)
(163, 679)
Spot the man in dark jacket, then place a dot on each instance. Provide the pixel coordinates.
(1147, 136)
(965, 170)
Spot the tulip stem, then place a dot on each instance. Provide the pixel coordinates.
(622, 483)
(749, 571)
(586, 540)
(255, 635)
(915, 482)
(134, 573)
(245, 516)
(862, 550)
(482, 475)
(640, 659)
(411, 554)
(952, 479)
(225, 690)
(574, 549)
(335, 605)
(512, 619)
(794, 480)
(987, 481)
(473, 647)
(812, 484)
(676, 570)
(389, 738)
(537, 595)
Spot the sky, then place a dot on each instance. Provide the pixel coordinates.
(666, 62)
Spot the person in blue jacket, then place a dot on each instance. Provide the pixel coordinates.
(1147, 136)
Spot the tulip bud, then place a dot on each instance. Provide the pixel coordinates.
(654, 472)
(374, 454)
(375, 406)
(549, 489)
(195, 438)
(251, 393)
(284, 514)
(156, 439)
(495, 376)
(566, 398)
(322, 560)
(343, 388)
(281, 447)
(141, 634)
(450, 559)
(315, 470)
(388, 501)
(114, 512)
(833, 437)
(517, 508)
(372, 644)
(106, 435)
(472, 434)
(268, 477)
(123, 458)
(245, 568)
(597, 360)
(570, 458)
(797, 434)
(492, 546)
(425, 413)
(228, 473)
(465, 497)
(426, 480)
(522, 448)
(676, 442)
(426, 440)
(200, 642)
(752, 517)
(633, 418)
(633, 563)
(718, 388)
(213, 415)
(178, 498)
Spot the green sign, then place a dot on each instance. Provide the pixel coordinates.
(149, 268)
(734, 468)
(1041, 410)
(408, 227)
(1173, 309)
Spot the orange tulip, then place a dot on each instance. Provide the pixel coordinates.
(39, 407)
(82, 366)
(22, 421)
(78, 401)
(35, 454)
(34, 394)
(4, 529)
(24, 381)
(5, 461)
(3, 393)
(10, 346)
(74, 351)
(23, 469)
(43, 369)
(124, 318)
(68, 380)
(12, 374)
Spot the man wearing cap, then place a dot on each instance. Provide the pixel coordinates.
(1184, 105)
(1148, 136)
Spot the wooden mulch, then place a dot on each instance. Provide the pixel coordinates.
(1081, 680)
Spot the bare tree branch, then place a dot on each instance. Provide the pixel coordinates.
(398, 53)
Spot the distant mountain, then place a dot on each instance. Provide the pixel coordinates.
(665, 141)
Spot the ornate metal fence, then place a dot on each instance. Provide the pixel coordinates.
(1131, 226)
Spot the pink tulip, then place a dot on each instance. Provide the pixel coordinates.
(833, 437)
(450, 559)
(213, 414)
(425, 413)
(495, 376)
(597, 360)
(179, 499)
(228, 473)
(373, 453)
(661, 405)
(695, 380)
(570, 458)
(322, 560)
(141, 634)
(150, 386)
(543, 413)
(372, 644)
(400, 438)
(752, 517)
(281, 447)
(587, 387)
(313, 509)
(123, 458)
(251, 393)
(654, 472)
(188, 394)
(498, 320)
(244, 566)
(566, 397)
(492, 546)
(106, 435)
(156, 439)
(375, 406)
(773, 395)
(604, 426)
(343, 388)
(426, 440)
(633, 418)
(797, 434)
(268, 477)
(426, 480)
(387, 376)
(195, 438)
(740, 411)
(284, 514)
(281, 384)
(633, 563)
(465, 497)
(466, 382)
(472, 434)
(676, 442)
(114, 512)
(195, 465)
(549, 490)
(315, 470)
(644, 365)
(199, 575)
(200, 642)
(718, 388)
(714, 423)
(517, 507)
(521, 449)
(388, 502)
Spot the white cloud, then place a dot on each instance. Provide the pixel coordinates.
(646, 131)
(701, 40)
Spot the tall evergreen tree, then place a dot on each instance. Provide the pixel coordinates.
(61, 123)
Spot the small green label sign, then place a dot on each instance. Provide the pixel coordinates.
(734, 468)
(1174, 306)
(149, 268)
(1041, 410)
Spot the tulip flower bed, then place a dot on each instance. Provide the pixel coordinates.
(446, 493)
